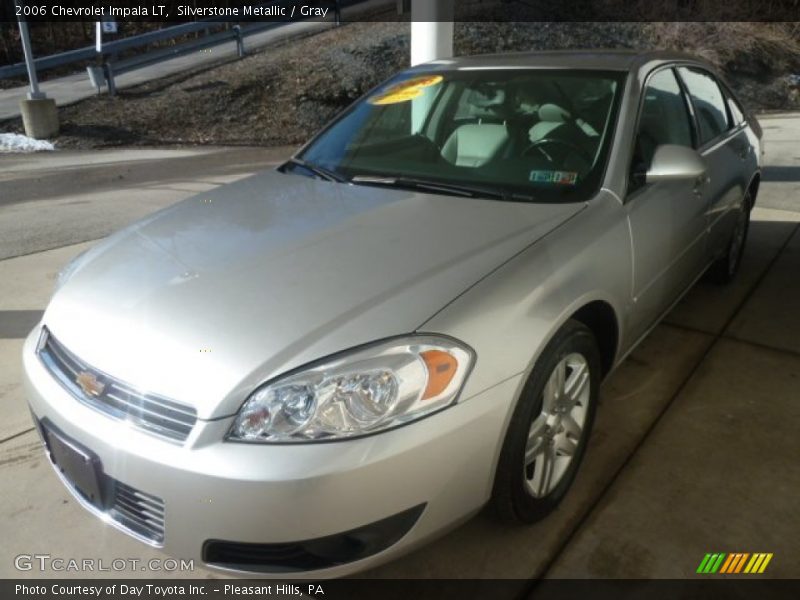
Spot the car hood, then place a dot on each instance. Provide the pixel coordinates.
(203, 301)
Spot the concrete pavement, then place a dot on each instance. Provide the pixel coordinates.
(719, 470)
(62, 198)
(695, 444)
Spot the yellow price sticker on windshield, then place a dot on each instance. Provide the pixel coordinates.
(405, 90)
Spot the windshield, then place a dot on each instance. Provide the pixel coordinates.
(540, 135)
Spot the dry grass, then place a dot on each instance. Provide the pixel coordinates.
(755, 49)
(285, 93)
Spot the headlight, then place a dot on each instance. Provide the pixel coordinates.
(356, 393)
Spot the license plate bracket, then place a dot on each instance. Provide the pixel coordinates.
(78, 465)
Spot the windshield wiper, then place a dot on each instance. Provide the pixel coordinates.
(322, 172)
(471, 191)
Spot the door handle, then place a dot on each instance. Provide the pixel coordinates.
(699, 183)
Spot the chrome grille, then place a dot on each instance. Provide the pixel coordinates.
(148, 412)
(141, 513)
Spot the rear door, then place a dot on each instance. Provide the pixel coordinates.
(667, 219)
(724, 144)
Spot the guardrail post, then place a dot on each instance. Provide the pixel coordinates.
(109, 73)
(96, 77)
(237, 34)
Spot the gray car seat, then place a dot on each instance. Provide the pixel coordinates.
(475, 144)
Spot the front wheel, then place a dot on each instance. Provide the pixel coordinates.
(550, 427)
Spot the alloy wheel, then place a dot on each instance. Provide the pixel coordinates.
(556, 432)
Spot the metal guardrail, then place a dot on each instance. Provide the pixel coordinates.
(111, 66)
(48, 62)
(109, 48)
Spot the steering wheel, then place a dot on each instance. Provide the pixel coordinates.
(555, 157)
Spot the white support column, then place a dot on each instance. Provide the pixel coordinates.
(431, 30)
(431, 39)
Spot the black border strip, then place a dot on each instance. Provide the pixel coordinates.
(175, 11)
(709, 587)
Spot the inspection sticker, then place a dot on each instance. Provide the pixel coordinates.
(405, 90)
(557, 177)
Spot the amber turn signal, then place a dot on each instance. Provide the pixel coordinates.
(442, 368)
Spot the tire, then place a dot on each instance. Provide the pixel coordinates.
(522, 492)
(724, 269)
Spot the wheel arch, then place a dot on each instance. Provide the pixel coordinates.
(596, 313)
(601, 319)
(755, 182)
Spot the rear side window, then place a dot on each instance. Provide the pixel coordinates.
(664, 119)
(708, 102)
(737, 114)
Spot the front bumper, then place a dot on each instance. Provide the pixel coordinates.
(283, 494)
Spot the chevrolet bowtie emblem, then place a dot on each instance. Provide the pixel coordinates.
(89, 383)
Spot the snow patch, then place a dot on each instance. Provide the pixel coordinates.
(12, 143)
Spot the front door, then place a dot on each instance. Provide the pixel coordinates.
(668, 219)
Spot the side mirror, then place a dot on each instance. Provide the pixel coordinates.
(674, 163)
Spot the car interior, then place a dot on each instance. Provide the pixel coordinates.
(494, 123)
(535, 133)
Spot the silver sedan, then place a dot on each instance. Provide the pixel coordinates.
(315, 369)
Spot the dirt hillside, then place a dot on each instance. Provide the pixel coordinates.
(282, 94)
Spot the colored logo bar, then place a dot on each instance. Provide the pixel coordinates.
(734, 562)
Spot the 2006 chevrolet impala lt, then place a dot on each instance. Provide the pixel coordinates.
(317, 368)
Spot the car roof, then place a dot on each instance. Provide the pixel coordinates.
(611, 60)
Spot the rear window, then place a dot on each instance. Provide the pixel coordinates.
(737, 113)
(708, 102)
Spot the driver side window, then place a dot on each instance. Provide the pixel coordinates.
(664, 119)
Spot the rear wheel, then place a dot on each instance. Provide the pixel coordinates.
(550, 427)
(724, 269)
